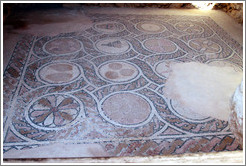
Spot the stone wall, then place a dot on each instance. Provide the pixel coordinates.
(143, 5)
(235, 10)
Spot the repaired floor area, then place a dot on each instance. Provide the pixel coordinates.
(94, 87)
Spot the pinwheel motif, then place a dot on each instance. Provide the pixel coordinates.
(54, 111)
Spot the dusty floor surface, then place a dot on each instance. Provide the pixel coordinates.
(54, 22)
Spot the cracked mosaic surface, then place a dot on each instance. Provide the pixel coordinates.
(106, 87)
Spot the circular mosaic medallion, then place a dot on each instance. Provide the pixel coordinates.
(150, 27)
(163, 68)
(62, 46)
(160, 45)
(126, 108)
(225, 64)
(204, 46)
(118, 71)
(57, 73)
(189, 27)
(113, 46)
(109, 27)
(53, 111)
(186, 113)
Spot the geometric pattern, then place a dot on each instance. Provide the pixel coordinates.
(104, 85)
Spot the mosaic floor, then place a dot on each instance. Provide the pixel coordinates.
(104, 86)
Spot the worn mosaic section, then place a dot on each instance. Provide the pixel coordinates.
(105, 85)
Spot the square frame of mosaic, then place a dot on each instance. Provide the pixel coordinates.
(82, 83)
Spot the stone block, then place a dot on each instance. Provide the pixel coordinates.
(236, 115)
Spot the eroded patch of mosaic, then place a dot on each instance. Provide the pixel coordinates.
(160, 45)
(62, 46)
(126, 108)
(56, 73)
(150, 27)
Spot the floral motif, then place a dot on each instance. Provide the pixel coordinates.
(54, 111)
